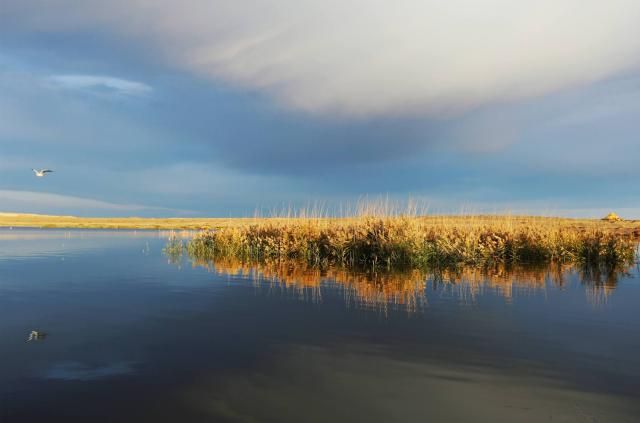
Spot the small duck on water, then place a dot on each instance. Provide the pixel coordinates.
(36, 336)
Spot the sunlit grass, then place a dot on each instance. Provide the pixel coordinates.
(375, 239)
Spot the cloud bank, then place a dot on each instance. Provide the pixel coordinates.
(42, 202)
(99, 83)
(368, 57)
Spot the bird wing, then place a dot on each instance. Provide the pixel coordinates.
(46, 170)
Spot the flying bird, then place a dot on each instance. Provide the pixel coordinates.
(40, 173)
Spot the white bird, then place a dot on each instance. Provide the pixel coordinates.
(40, 173)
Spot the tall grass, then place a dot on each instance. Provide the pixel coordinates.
(379, 240)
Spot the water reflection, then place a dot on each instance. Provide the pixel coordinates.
(133, 338)
(305, 383)
(86, 372)
(410, 289)
(25, 243)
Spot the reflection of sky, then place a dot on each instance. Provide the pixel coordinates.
(314, 380)
(27, 243)
(86, 372)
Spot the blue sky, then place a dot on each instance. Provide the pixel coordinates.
(220, 108)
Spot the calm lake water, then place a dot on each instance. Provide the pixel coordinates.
(133, 336)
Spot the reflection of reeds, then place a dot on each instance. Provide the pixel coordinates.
(371, 290)
(469, 282)
(407, 290)
(599, 282)
(376, 242)
(174, 248)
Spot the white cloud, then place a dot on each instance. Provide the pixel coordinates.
(369, 57)
(32, 107)
(41, 202)
(100, 84)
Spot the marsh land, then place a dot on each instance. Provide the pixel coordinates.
(178, 223)
(374, 239)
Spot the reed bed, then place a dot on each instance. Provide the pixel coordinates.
(408, 241)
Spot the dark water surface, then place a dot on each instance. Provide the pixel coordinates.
(132, 336)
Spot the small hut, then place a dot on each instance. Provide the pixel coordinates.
(612, 217)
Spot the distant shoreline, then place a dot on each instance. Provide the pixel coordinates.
(19, 220)
(26, 220)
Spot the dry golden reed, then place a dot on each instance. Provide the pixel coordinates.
(413, 241)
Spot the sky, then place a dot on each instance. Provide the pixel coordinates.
(225, 108)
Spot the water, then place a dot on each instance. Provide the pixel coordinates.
(134, 336)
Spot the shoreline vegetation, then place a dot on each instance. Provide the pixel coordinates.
(381, 237)
(422, 242)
